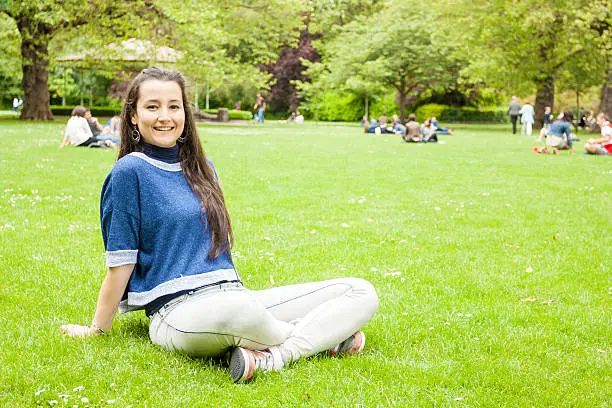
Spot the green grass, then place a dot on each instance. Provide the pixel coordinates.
(453, 236)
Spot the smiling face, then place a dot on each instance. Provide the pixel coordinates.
(160, 116)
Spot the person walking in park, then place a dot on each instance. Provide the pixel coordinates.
(260, 107)
(527, 118)
(168, 236)
(514, 110)
(603, 145)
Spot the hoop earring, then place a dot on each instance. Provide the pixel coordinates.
(181, 139)
(135, 135)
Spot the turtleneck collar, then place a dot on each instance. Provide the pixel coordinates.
(166, 154)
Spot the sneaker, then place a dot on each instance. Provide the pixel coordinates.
(244, 362)
(352, 345)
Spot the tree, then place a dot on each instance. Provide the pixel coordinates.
(599, 21)
(10, 62)
(39, 22)
(403, 54)
(520, 44)
(289, 68)
(223, 43)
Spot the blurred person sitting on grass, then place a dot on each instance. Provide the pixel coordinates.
(558, 137)
(168, 240)
(413, 130)
(77, 131)
(603, 145)
(397, 125)
(100, 133)
(428, 132)
(439, 129)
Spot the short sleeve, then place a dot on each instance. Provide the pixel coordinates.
(120, 216)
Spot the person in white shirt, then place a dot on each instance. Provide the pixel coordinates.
(603, 145)
(527, 118)
(77, 131)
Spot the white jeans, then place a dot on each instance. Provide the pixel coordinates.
(527, 128)
(301, 320)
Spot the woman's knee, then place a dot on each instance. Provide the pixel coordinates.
(365, 291)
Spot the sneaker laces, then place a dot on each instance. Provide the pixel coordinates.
(268, 360)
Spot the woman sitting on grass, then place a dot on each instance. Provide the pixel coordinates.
(603, 145)
(168, 236)
(77, 131)
(428, 132)
(559, 135)
(413, 130)
(439, 129)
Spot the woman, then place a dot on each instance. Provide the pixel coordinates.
(603, 145)
(413, 130)
(559, 135)
(168, 236)
(527, 118)
(260, 107)
(439, 129)
(398, 127)
(77, 131)
(428, 132)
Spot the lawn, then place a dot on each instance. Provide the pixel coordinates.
(492, 266)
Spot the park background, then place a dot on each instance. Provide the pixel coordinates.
(491, 263)
(333, 60)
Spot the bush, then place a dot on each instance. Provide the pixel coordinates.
(233, 114)
(429, 110)
(112, 110)
(95, 110)
(334, 106)
(461, 115)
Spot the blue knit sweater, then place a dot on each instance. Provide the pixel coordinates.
(150, 217)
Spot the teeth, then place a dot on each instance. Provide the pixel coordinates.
(163, 128)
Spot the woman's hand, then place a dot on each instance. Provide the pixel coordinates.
(75, 330)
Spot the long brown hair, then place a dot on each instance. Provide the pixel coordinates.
(199, 174)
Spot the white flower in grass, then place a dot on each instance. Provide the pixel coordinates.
(529, 269)
(110, 402)
(52, 402)
(85, 400)
(37, 393)
(345, 225)
(79, 388)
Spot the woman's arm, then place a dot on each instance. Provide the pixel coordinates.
(109, 297)
(66, 140)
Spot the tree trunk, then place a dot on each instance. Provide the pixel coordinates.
(605, 101)
(367, 107)
(34, 63)
(545, 96)
(402, 105)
